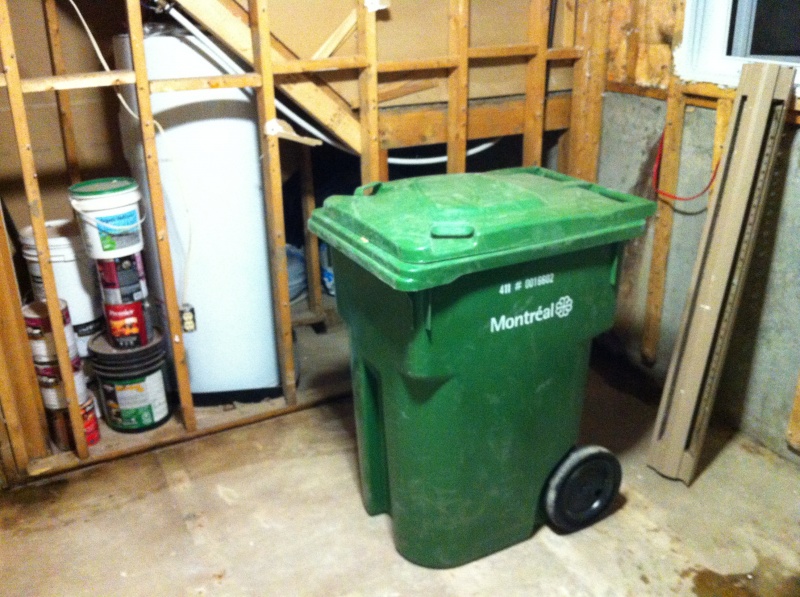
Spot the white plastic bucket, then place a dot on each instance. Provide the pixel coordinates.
(108, 209)
(76, 277)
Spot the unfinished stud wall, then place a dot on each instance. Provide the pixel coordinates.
(761, 372)
(94, 110)
(525, 66)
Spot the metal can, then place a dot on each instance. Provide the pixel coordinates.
(122, 279)
(129, 324)
(40, 330)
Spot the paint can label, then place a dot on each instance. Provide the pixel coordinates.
(40, 330)
(136, 403)
(84, 333)
(122, 279)
(129, 324)
(91, 428)
(51, 383)
(119, 231)
(90, 328)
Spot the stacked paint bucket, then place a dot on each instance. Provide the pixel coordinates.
(82, 316)
(129, 359)
(48, 372)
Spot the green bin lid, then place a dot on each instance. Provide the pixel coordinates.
(423, 232)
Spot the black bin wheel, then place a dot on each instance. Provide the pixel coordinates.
(582, 487)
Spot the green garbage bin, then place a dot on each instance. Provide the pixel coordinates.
(472, 300)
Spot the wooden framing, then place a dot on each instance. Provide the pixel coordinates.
(793, 430)
(230, 23)
(588, 86)
(9, 57)
(370, 135)
(345, 29)
(218, 82)
(313, 273)
(81, 81)
(512, 51)
(9, 472)
(391, 91)
(535, 83)
(667, 182)
(147, 126)
(12, 425)
(407, 66)
(724, 109)
(458, 86)
(406, 127)
(12, 435)
(62, 97)
(19, 395)
(320, 65)
(273, 197)
(368, 94)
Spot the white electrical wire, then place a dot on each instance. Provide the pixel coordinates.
(440, 159)
(231, 67)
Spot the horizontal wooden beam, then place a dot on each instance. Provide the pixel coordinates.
(294, 67)
(565, 53)
(508, 51)
(708, 90)
(400, 66)
(307, 398)
(193, 83)
(700, 95)
(627, 88)
(78, 81)
(410, 126)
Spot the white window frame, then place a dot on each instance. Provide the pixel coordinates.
(702, 55)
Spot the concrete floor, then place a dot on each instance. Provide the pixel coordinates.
(274, 509)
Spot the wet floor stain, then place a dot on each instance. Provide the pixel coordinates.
(753, 448)
(768, 579)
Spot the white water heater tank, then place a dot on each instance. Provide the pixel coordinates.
(209, 161)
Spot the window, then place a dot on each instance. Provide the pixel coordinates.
(721, 35)
(765, 28)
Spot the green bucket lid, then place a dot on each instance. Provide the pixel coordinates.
(423, 232)
(103, 186)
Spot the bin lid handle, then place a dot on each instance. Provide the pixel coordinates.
(452, 230)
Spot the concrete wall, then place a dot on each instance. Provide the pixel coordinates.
(761, 372)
